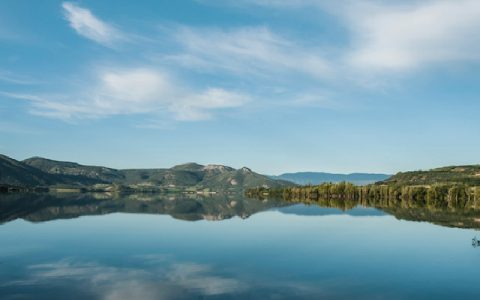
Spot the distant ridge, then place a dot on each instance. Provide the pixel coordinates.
(314, 178)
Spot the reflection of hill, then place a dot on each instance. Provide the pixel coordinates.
(458, 218)
(44, 207)
(314, 210)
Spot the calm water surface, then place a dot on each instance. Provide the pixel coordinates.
(166, 247)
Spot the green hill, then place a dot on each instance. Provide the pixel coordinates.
(94, 173)
(243, 177)
(213, 177)
(16, 173)
(37, 171)
(468, 175)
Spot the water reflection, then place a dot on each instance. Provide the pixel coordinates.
(475, 242)
(140, 246)
(45, 207)
(147, 280)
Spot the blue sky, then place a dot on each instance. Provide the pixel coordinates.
(279, 86)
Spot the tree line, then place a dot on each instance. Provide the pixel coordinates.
(437, 195)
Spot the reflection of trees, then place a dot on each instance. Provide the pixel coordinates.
(346, 194)
(447, 205)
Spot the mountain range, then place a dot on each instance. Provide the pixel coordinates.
(42, 172)
(315, 178)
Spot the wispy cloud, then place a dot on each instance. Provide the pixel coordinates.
(398, 35)
(88, 25)
(247, 51)
(383, 39)
(12, 78)
(15, 128)
(157, 279)
(199, 278)
(108, 282)
(134, 91)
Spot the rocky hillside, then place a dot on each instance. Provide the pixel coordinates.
(469, 175)
(98, 174)
(37, 171)
(15, 173)
(214, 177)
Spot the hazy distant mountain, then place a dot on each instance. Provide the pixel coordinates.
(39, 171)
(320, 177)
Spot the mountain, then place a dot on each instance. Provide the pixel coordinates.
(96, 174)
(37, 171)
(40, 172)
(16, 173)
(314, 178)
(213, 177)
(469, 175)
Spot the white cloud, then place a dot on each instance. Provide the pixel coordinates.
(383, 37)
(89, 26)
(199, 277)
(399, 35)
(409, 36)
(166, 281)
(198, 106)
(134, 91)
(248, 51)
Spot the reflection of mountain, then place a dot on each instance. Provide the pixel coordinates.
(45, 207)
(314, 210)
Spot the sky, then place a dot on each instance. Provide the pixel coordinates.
(275, 85)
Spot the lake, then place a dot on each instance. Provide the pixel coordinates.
(230, 247)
